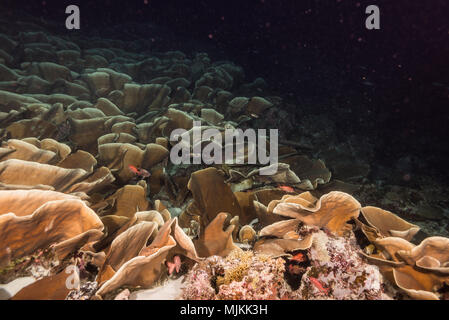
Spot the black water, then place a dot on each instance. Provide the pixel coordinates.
(392, 83)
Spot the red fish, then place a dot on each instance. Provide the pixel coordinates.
(133, 169)
(286, 188)
(299, 257)
(318, 284)
(175, 265)
(140, 172)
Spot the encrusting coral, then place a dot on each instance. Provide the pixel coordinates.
(241, 275)
(330, 269)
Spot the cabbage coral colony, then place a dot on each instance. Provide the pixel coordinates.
(92, 207)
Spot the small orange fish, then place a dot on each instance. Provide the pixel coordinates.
(140, 172)
(133, 169)
(286, 188)
(318, 284)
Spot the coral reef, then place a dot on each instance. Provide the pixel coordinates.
(92, 208)
(241, 275)
(331, 268)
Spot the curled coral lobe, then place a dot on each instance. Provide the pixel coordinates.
(215, 241)
(52, 222)
(431, 254)
(205, 185)
(332, 210)
(389, 224)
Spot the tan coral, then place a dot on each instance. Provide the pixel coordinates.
(49, 71)
(246, 203)
(151, 216)
(47, 151)
(184, 245)
(119, 156)
(126, 246)
(140, 98)
(265, 203)
(281, 228)
(64, 248)
(145, 269)
(153, 154)
(98, 180)
(432, 254)
(388, 248)
(331, 211)
(85, 132)
(20, 172)
(418, 285)
(282, 247)
(118, 79)
(124, 127)
(85, 113)
(108, 108)
(283, 174)
(52, 222)
(311, 172)
(99, 83)
(158, 206)
(178, 120)
(128, 200)
(416, 270)
(148, 131)
(18, 149)
(80, 159)
(212, 195)
(14, 100)
(213, 240)
(264, 216)
(113, 227)
(141, 271)
(235, 221)
(116, 138)
(23, 203)
(389, 224)
(60, 149)
(15, 172)
(32, 128)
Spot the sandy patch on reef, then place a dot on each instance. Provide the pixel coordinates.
(10, 289)
(170, 290)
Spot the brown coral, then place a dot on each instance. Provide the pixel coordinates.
(389, 224)
(331, 211)
(205, 185)
(215, 241)
(52, 222)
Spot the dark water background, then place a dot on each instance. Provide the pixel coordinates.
(393, 83)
